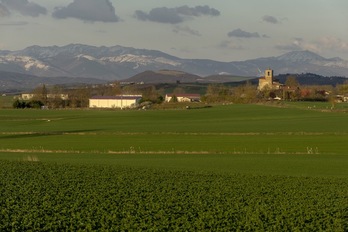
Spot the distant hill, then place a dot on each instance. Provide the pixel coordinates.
(118, 63)
(308, 79)
(18, 82)
(173, 76)
(313, 79)
(163, 76)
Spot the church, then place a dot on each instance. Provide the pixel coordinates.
(268, 81)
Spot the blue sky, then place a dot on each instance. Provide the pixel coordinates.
(206, 29)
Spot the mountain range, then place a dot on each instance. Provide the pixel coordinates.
(78, 62)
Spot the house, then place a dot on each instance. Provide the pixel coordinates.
(183, 97)
(341, 98)
(268, 82)
(29, 96)
(119, 101)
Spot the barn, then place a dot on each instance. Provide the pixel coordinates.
(119, 101)
(183, 97)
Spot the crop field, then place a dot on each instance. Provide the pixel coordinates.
(230, 168)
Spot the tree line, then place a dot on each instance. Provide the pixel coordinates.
(78, 97)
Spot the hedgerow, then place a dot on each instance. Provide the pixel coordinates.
(40, 196)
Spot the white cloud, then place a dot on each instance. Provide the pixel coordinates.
(175, 15)
(243, 34)
(323, 44)
(270, 19)
(88, 10)
(24, 7)
(4, 12)
(333, 43)
(186, 30)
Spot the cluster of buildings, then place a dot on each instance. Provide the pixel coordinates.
(132, 101)
(267, 82)
(118, 101)
(30, 96)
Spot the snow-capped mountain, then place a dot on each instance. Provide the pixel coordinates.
(117, 62)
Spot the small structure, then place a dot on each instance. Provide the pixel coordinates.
(29, 96)
(119, 101)
(268, 82)
(341, 98)
(183, 97)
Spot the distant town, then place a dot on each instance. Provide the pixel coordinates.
(130, 95)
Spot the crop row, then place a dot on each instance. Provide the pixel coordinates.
(53, 197)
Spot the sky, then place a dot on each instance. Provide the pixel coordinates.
(223, 30)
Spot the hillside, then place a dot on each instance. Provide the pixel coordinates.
(117, 63)
(17, 82)
(163, 76)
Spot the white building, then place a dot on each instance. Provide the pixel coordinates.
(183, 97)
(120, 101)
(29, 96)
(268, 81)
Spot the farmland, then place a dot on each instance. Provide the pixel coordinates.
(233, 167)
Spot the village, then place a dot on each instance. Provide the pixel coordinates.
(115, 96)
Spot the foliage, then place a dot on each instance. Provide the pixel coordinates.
(292, 82)
(149, 93)
(343, 88)
(40, 94)
(245, 93)
(217, 93)
(36, 104)
(174, 98)
(63, 197)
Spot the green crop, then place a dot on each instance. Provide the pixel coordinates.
(234, 129)
(228, 168)
(54, 197)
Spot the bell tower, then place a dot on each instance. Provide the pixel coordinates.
(269, 76)
(267, 80)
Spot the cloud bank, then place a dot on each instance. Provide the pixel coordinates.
(186, 31)
(4, 11)
(88, 10)
(270, 19)
(239, 33)
(175, 15)
(24, 7)
(324, 43)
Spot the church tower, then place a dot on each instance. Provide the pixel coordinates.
(267, 80)
(269, 76)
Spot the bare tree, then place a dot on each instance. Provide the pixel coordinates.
(292, 82)
(40, 94)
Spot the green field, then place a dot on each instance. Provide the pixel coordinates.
(233, 167)
(6, 101)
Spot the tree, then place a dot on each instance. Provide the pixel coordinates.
(343, 88)
(35, 104)
(17, 104)
(246, 93)
(40, 94)
(149, 93)
(55, 100)
(79, 97)
(174, 99)
(217, 93)
(292, 82)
